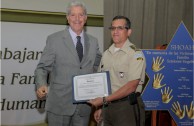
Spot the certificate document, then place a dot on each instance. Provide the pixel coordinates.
(90, 86)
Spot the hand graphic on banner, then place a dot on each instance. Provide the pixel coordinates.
(166, 95)
(157, 80)
(156, 66)
(190, 112)
(177, 110)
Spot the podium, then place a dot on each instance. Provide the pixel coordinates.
(162, 118)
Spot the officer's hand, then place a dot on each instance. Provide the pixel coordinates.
(157, 81)
(42, 91)
(96, 102)
(166, 95)
(177, 110)
(98, 115)
(190, 112)
(156, 66)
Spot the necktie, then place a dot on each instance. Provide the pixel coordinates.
(79, 48)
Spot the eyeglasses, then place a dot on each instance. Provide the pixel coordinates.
(119, 28)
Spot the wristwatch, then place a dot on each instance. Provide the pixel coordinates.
(105, 103)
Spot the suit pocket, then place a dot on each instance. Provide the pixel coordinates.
(85, 110)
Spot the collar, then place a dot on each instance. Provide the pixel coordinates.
(74, 35)
(126, 47)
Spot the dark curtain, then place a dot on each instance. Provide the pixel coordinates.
(154, 22)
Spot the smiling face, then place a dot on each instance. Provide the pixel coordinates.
(119, 32)
(76, 19)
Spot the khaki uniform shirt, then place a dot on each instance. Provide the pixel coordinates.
(125, 64)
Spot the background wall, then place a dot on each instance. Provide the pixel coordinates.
(94, 7)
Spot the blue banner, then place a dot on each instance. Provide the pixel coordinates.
(170, 73)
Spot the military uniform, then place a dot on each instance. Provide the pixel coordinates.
(124, 65)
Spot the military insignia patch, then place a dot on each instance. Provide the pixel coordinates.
(139, 58)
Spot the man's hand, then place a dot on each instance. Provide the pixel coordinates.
(98, 115)
(190, 112)
(156, 66)
(157, 80)
(42, 91)
(177, 110)
(166, 95)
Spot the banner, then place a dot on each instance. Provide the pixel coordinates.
(170, 73)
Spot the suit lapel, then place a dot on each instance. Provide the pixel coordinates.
(86, 47)
(69, 43)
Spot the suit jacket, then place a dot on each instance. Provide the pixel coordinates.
(60, 60)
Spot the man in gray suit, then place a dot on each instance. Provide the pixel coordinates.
(61, 62)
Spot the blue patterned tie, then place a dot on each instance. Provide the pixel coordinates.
(79, 48)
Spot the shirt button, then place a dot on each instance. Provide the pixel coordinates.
(80, 67)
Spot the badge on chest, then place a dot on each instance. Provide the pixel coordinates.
(121, 74)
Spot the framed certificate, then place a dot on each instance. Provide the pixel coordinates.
(90, 86)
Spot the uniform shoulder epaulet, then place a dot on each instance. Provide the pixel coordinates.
(135, 48)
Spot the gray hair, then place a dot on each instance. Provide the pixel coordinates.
(76, 3)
